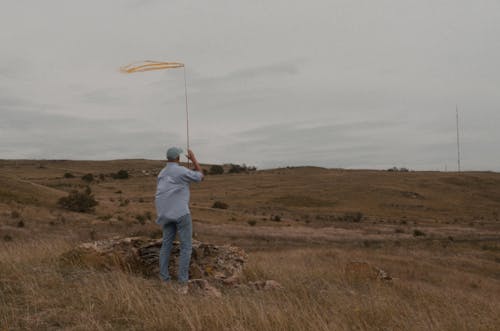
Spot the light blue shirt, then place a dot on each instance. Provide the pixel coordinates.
(172, 192)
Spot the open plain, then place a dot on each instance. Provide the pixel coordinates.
(437, 235)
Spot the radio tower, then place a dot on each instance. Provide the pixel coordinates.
(458, 142)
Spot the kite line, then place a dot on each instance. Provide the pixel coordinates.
(156, 65)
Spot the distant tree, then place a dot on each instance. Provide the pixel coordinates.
(216, 170)
(236, 169)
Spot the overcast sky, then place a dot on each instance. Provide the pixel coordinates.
(334, 83)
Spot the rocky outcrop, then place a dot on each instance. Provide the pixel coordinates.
(213, 263)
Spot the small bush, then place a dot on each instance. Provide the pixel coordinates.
(20, 224)
(398, 230)
(352, 217)
(140, 218)
(88, 178)
(124, 202)
(102, 177)
(121, 174)
(15, 214)
(81, 202)
(149, 215)
(106, 217)
(396, 169)
(88, 190)
(252, 222)
(418, 233)
(236, 169)
(7, 237)
(68, 175)
(216, 170)
(276, 218)
(220, 205)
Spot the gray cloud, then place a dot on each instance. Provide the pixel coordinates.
(353, 84)
(243, 75)
(39, 135)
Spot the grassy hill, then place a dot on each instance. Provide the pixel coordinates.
(436, 233)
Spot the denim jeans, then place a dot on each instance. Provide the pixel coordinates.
(182, 226)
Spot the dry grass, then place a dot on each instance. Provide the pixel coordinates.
(446, 280)
(452, 288)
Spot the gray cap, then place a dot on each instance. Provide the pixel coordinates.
(173, 153)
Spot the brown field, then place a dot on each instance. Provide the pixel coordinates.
(437, 234)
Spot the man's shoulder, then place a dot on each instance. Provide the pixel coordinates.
(175, 170)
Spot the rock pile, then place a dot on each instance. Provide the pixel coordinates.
(216, 264)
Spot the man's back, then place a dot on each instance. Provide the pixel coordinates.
(172, 193)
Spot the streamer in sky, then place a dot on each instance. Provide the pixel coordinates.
(149, 66)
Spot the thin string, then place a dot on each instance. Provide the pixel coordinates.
(155, 65)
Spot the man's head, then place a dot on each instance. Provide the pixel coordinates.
(174, 153)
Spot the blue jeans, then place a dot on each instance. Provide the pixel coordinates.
(182, 226)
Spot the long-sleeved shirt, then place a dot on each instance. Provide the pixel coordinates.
(172, 193)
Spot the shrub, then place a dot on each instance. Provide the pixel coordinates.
(418, 233)
(88, 191)
(236, 169)
(7, 237)
(15, 214)
(121, 174)
(216, 170)
(20, 224)
(220, 205)
(140, 218)
(353, 217)
(68, 175)
(396, 169)
(252, 222)
(81, 202)
(106, 217)
(124, 202)
(88, 178)
(276, 218)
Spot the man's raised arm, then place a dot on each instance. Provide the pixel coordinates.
(193, 159)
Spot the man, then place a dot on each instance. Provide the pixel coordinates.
(172, 208)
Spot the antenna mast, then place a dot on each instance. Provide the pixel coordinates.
(458, 142)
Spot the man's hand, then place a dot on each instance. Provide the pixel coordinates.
(191, 157)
